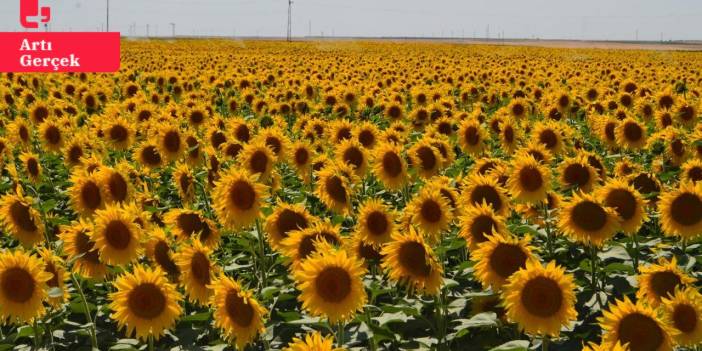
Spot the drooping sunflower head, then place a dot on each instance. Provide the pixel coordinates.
(302, 244)
(681, 210)
(197, 271)
(478, 223)
(81, 250)
(541, 300)
(32, 166)
(627, 202)
(636, 325)
(334, 189)
(285, 219)
(184, 182)
(499, 257)
(409, 260)
(159, 250)
(145, 304)
(585, 219)
(115, 183)
(659, 281)
(238, 199)
(576, 173)
(22, 286)
(331, 285)
(116, 236)
(191, 224)
(148, 155)
(236, 312)
(530, 180)
(483, 188)
(21, 220)
(683, 310)
(390, 166)
(425, 158)
(55, 266)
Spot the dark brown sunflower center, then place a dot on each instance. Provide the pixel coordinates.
(51, 269)
(645, 184)
(17, 285)
(75, 153)
(191, 223)
(695, 174)
(685, 318)
(664, 283)
(163, 259)
(301, 156)
(471, 135)
(118, 133)
(508, 133)
(146, 301)
(542, 296)
(242, 133)
(336, 189)
(242, 195)
(307, 244)
(548, 138)
(238, 310)
(641, 332)
(633, 131)
(354, 157)
(118, 234)
(507, 259)
(623, 202)
(200, 268)
(258, 162)
(482, 225)
(412, 257)
(392, 164)
(686, 209)
(274, 144)
(589, 216)
(151, 156)
(333, 284)
(196, 117)
(427, 158)
(431, 211)
(377, 223)
(33, 167)
(52, 135)
(90, 194)
(487, 194)
(21, 217)
(171, 141)
(530, 178)
(118, 187)
(289, 220)
(576, 175)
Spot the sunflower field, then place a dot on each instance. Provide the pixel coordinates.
(228, 195)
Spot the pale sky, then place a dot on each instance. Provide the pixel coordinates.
(546, 19)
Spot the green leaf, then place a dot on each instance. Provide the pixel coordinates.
(515, 345)
(397, 317)
(198, 317)
(480, 320)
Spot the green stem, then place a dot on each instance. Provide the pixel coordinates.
(36, 335)
(262, 266)
(635, 253)
(151, 342)
(545, 343)
(340, 334)
(86, 311)
(593, 276)
(549, 236)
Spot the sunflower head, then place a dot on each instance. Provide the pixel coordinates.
(409, 260)
(683, 310)
(529, 181)
(238, 199)
(236, 312)
(197, 271)
(116, 236)
(285, 219)
(586, 220)
(681, 210)
(500, 257)
(636, 325)
(659, 281)
(23, 286)
(21, 220)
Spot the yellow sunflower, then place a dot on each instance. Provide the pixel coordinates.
(86, 193)
(659, 281)
(637, 325)
(184, 182)
(529, 181)
(471, 136)
(681, 211)
(586, 220)
(691, 171)
(197, 271)
(116, 236)
(576, 173)
(425, 158)
(334, 189)
(82, 251)
(54, 265)
(683, 310)
(191, 224)
(631, 134)
(541, 300)
(408, 259)
(430, 212)
(145, 303)
(484, 188)
(331, 285)
(22, 286)
(376, 222)
(301, 244)
(354, 154)
(627, 202)
(479, 222)
(285, 219)
(238, 199)
(32, 166)
(160, 252)
(236, 312)
(389, 165)
(500, 257)
(20, 219)
(257, 159)
(116, 185)
(313, 342)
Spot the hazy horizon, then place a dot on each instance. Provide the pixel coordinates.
(544, 19)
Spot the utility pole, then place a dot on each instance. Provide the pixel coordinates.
(108, 16)
(290, 20)
(172, 29)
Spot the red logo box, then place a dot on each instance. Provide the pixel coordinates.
(60, 52)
